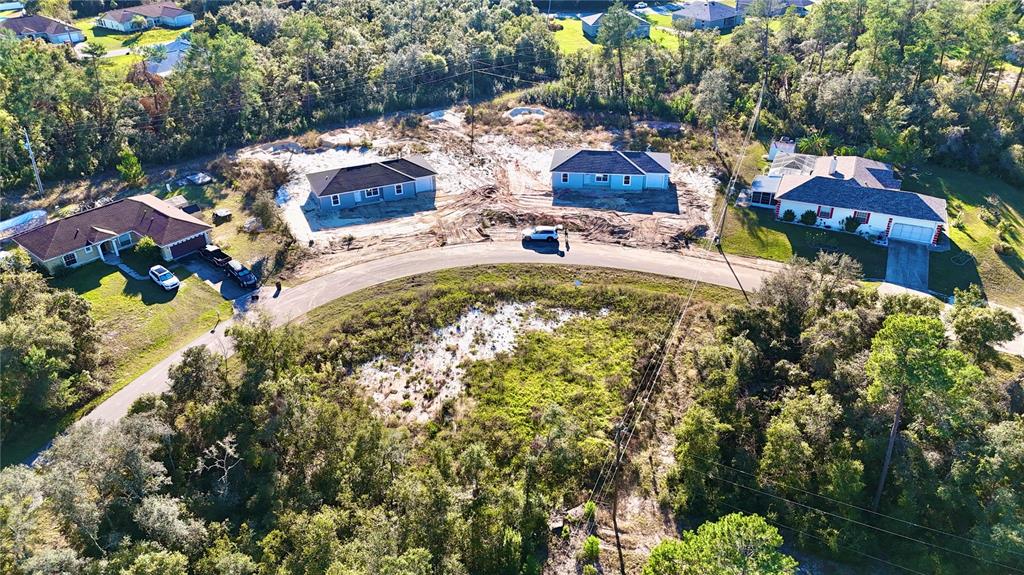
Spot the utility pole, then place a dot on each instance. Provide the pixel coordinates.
(472, 109)
(32, 156)
(615, 501)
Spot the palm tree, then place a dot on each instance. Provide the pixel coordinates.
(817, 144)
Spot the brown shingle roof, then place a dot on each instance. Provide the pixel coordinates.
(158, 10)
(36, 24)
(145, 215)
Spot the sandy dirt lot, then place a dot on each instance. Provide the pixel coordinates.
(488, 191)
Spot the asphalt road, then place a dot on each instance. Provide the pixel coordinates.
(294, 302)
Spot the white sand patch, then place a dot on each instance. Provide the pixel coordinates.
(415, 389)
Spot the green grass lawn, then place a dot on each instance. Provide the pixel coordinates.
(570, 38)
(118, 66)
(973, 258)
(113, 40)
(659, 19)
(755, 233)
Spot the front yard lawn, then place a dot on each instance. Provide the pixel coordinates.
(755, 232)
(973, 259)
(114, 40)
(570, 38)
(140, 322)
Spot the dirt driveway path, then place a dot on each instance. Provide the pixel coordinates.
(295, 301)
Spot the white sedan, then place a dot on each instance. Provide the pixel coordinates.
(640, 5)
(541, 234)
(164, 278)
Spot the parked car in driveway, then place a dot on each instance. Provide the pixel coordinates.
(164, 278)
(215, 255)
(541, 234)
(640, 5)
(242, 275)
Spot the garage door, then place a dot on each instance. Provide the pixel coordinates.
(909, 233)
(188, 246)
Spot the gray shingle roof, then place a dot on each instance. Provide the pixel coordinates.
(36, 24)
(849, 194)
(145, 215)
(610, 162)
(372, 175)
(158, 10)
(705, 11)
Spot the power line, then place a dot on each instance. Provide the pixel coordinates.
(849, 519)
(826, 541)
(864, 509)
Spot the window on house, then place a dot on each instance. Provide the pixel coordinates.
(627, 180)
(565, 178)
(372, 192)
(70, 259)
(862, 217)
(601, 178)
(398, 189)
(763, 198)
(335, 200)
(825, 213)
(125, 240)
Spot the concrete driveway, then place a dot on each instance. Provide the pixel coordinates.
(907, 265)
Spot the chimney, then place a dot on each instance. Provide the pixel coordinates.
(832, 168)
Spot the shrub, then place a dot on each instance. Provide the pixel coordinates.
(988, 216)
(788, 216)
(851, 224)
(591, 549)
(310, 140)
(130, 168)
(265, 209)
(809, 218)
(589, 570)
(147, 248)
(958, 221)
(589, 510)
(1004, 228)
(1002, 248)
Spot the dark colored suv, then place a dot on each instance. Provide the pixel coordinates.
(242, 275)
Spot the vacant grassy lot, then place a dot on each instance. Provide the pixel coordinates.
(979, 203)
(118, 66)
(585, 368)
(114, 40)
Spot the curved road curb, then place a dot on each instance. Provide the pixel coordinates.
(294, 302)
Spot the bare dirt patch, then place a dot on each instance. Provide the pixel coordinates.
(414, 389)
(485, 191)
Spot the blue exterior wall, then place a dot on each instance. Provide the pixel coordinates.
(358, 197)
(615, 182)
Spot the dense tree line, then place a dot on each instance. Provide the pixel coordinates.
(256, 71)
(49, 347)
(836, 411)
(900, 80)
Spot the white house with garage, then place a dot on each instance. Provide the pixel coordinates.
(610, 170)
(840, 188)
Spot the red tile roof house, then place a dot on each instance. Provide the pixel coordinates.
(53, 31)
(165, 14)
(102, 233)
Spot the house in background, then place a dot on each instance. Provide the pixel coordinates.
(53, 31)
(592, 26)
(165, 14)
(173, 53)
(838, 188)
(708, 14)
(101, 233)
(610, 170)
(778, 7)
(384, 181)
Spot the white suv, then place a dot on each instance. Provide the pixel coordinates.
(541, 234)
(164, 278)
